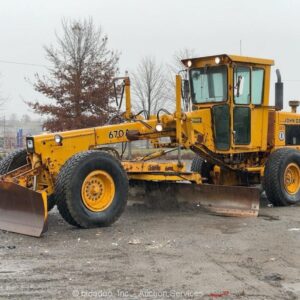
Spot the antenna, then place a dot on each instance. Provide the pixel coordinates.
(240, 47)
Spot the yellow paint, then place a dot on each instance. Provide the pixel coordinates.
(190, 130)
(193, 177)
(178, 110)
(292, 179)
(45, 201)
(227, 59)
(128, 114)
(98, 191)
(152, 167)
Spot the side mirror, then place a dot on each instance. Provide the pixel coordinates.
(239, 87)
(185, 89)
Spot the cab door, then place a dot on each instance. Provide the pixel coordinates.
(247, 111)
(221, 121)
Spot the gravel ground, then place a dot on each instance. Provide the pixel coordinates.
(152, 254)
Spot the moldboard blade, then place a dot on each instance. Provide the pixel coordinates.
(235, 201)
(22, 210)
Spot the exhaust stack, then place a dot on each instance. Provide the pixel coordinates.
(278, 91)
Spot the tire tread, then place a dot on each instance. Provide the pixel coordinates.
(271, 183)
(13, 161)
(63, 185)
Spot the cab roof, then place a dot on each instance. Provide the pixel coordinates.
(233, 58)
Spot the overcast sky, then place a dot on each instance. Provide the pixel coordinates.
(267, 28)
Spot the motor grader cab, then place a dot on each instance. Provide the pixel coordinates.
(233, 92)
(230, 94)
(222, 114)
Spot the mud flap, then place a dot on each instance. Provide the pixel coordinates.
(22, 210)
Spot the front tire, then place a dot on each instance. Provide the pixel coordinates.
(282, 177)
(91, 189)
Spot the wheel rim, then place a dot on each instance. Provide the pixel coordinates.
(292, 178)
(98, 191)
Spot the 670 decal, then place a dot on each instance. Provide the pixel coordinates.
(114, 134)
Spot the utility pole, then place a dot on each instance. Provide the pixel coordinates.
(4, 133)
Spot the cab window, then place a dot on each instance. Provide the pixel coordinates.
(241, 85)
(257, 85)
(209, 84)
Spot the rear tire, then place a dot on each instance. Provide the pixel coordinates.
(282, 177)
(107, 189)
(203, 167)
(13, 161)
(51, 202)
(18, 159)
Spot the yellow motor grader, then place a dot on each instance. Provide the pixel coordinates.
(222, 114)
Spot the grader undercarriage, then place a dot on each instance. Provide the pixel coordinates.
(239, 141)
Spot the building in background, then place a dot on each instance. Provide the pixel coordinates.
(13, 131)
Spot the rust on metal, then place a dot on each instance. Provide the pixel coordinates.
(170, 169)
(22, 210)
(154, 167)
(132, 135)
(236, 201)
(200, 138)
(164, 177)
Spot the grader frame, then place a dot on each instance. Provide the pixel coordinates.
(233, 135)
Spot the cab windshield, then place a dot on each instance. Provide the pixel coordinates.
(209, 84)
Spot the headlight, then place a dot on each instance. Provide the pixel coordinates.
(159, 127)
(217, 60)
(189, 63)
(58, 139)
(29, 144)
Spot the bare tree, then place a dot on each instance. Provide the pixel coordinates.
(25, 119)
(80, 79)
(175, 66)
(149, 86)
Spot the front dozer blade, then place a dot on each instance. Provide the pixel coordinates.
(234, 201)
(22, 210)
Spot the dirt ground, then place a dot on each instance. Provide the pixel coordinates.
(154, 254)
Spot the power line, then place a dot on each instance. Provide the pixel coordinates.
(45, 66)
(22, 63)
